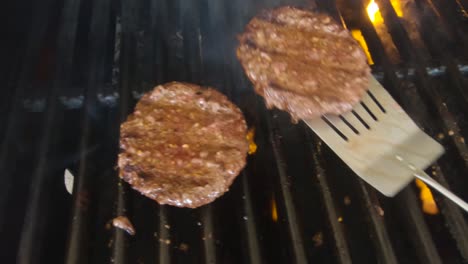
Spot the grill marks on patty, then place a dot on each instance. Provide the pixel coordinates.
(306, 56)
(183, 145)
(297, 44)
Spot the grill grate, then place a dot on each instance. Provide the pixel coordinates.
(79, 67)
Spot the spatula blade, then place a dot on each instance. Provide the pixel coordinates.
(374, 136)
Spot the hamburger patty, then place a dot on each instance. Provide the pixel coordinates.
(303, 62)
(183, 145)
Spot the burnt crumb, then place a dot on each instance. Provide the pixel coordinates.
(379, 210)
(183, 247)
(347, 200)
(83, 200)
(110, 243)
(318, 239)
(208, 236)
(123, 223)
(165, 241)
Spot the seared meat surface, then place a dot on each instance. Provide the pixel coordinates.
(183, 145)
(302, 62)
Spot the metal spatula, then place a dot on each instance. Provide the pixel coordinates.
(381, 143)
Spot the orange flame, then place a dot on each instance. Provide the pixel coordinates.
(428, 204)
(250, 138)
(274, 210)
(357, 35)
(397, 7)
(373, 11)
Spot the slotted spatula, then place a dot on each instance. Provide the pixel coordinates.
(381, 143)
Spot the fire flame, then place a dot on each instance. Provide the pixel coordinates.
(372, 10)
(357, 35)
(375, 16)
(428, 204)
(250, 138)
(274, 211)
(397, 7)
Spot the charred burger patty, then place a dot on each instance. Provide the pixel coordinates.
(303, 62)
(183, 145)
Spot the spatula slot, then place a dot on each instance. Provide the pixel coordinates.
(360, 119)
(337, 131)
(369, 111)
(385, 131)
(376, 102)
(349, 125)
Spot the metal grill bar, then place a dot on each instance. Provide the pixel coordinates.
(422, 239)
(441, 44)
(426, 87)
(446, 10)
(342, 248)
(253, 246)
(381, 238)
(78, 250)
(210, 254)
(421, 118)
(384, 246)
(286, 197)
(453, 217)
(127, 12)
(164, 254)
(7, 152)
(66, 41)
(37, 211)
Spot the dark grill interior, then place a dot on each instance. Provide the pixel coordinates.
(72, 70)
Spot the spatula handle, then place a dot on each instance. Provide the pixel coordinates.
(431, 182)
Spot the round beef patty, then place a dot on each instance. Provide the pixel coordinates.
(304, 63)
(183, 145)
